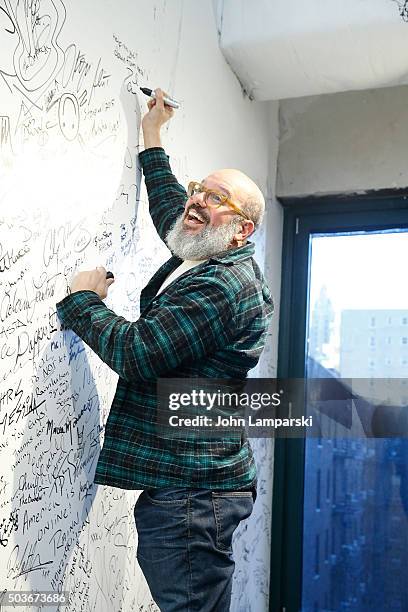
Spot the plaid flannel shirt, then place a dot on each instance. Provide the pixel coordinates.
(210, 322)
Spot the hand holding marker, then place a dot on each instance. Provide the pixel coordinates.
(167, 100)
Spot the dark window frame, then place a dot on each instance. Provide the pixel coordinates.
(302, 217)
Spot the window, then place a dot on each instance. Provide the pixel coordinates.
(326, 546)
(317, 555)
(315, 255)
(333, 539)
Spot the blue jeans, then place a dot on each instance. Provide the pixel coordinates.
(185, 545)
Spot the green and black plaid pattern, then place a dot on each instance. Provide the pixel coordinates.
(211, 322)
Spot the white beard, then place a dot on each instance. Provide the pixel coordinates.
(208, 242)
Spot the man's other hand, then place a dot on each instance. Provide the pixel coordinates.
(92, 280)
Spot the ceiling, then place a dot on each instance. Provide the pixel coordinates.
(290, 48)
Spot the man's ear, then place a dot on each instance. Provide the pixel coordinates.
(247, 228)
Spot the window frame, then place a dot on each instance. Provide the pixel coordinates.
(302, 217)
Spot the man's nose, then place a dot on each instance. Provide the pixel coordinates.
(198, 198)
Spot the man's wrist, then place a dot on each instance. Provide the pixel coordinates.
(151, 138)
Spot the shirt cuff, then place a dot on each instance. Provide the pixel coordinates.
(73, 306)
(153, 155)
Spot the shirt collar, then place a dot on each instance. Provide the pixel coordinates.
(233, 256)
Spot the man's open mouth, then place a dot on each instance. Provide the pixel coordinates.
(193, 218)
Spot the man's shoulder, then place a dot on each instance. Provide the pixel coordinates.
(239, 288)
(245, 270)
(234, 278)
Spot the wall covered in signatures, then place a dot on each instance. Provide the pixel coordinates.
(71, 198)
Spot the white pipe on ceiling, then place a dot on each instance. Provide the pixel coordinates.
(290, 48)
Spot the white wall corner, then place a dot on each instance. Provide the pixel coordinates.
(218, 9)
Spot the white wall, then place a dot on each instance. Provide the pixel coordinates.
(347, 142)
(68, 197)
(253, 540)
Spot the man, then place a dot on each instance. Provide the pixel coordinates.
(204, 314)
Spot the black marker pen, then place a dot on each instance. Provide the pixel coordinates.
(169, 101)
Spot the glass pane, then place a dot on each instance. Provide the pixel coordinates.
(355, 542)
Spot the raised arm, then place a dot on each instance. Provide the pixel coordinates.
(166, 196)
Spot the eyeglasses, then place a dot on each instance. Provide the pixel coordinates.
(213, 198)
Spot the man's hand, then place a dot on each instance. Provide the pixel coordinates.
(92, 280)
(159, 113)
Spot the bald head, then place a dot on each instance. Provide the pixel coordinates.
(243, 192)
